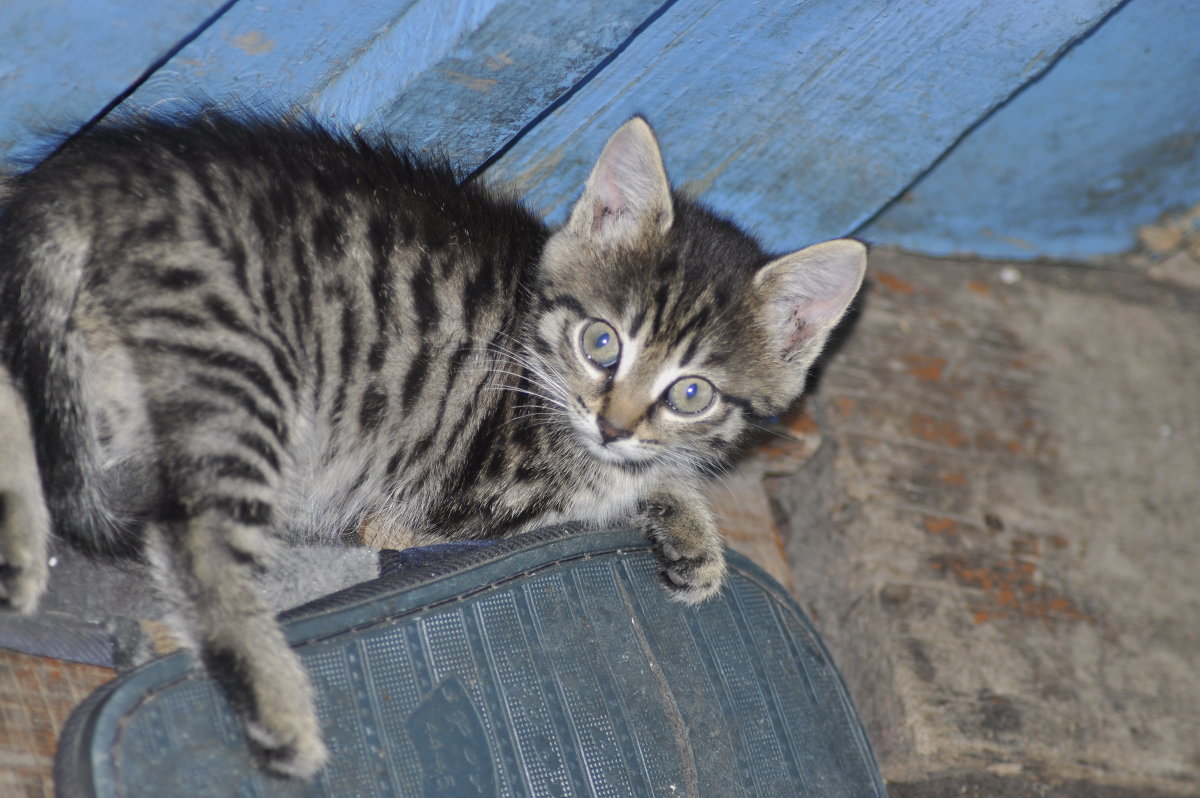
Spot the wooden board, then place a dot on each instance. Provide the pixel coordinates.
(1106, 141)
(459, 77)
(801, 120)
(62, 63)
(37, 695)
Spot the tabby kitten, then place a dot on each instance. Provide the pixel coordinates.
(221, 335)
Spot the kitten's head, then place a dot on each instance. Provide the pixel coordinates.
(663, 330)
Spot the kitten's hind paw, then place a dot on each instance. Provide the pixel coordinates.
(300, 757)
(21, 586)
(268, 686)
(24, 571)
(687, 543)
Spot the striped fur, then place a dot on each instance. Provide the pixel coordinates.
(222, 334)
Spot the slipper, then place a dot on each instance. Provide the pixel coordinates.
(552, 663)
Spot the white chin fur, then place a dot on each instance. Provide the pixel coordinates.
(619, 452)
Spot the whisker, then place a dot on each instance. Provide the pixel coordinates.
(535, 394)
(772, 430)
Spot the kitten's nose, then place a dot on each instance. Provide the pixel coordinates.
(610, 432)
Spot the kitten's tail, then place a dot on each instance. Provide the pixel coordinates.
(43, 370)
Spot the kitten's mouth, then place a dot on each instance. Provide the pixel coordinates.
(606, 452)
(625, 452)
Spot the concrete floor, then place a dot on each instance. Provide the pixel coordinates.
(997, 524)
(989, 508)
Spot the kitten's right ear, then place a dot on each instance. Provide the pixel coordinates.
(627, 195)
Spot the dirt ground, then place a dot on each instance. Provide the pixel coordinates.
(997, 523)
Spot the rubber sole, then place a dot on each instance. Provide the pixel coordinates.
(552, 664)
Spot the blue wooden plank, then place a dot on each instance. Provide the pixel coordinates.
(803, 119)
(508, 71)
(461, 75)
(1106, 140)
(63, 62)
(282, 56)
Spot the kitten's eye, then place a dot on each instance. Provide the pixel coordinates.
(690, 395)
(600, 344)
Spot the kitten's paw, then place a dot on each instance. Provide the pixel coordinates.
(688, 546)
(691, 579)
(23, 568)
(22, 584)
(281, 719)
(296, 753)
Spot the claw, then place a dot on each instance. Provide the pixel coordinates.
(677, 578)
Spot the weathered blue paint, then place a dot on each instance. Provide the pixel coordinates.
(459, 75)
(62, 63)
(506, 72)
(803, 119)
(284, 56)
(1106, 140)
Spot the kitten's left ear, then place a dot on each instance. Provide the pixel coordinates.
(805, 294)
(627, 195)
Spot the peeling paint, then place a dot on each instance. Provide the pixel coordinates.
(925, 367)
(498, 61)
(894, 283)
(946, 431)
(941, 526)
(470, 81)
(1007, 588)
(955, 479)
(1016, 241)
(254, 43)
(698, 186)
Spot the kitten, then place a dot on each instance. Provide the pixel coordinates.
(219, 335)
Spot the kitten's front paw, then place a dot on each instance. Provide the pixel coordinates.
(688, 546)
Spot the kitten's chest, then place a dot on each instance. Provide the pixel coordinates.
(609, 499)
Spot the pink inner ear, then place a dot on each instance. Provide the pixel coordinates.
(610, 202)
(808, 316)
(797, 328)
(809, 291)
(627, 192)
(822, 311)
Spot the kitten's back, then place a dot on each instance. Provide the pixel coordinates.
(317, 281)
